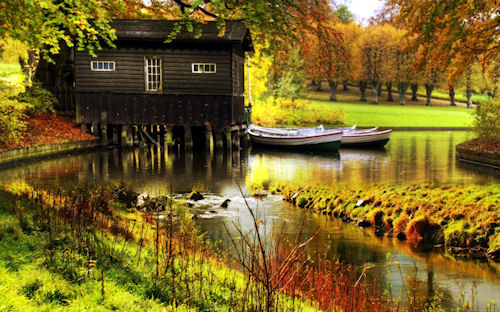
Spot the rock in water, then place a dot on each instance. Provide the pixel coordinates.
(141, 200)
(225, 203)
(194, 195)
(494, 255)
(363, 223)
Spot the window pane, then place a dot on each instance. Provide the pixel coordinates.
(111, 65)
(94, 65)
(100, 65)
(105, 64)
(212, 68)
(195, 67)
(207, 67)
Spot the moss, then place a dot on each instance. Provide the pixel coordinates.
(446, 210)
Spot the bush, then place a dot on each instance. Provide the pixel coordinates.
(11, 119)
(37, 100)
(300, 113)
(487, 123)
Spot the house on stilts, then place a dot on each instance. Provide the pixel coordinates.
(189, 90)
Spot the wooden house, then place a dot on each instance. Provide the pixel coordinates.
(192, 88)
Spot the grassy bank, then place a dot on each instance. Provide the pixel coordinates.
(369, 115)
(464, 219)
(82, 249)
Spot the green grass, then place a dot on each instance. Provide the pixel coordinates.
(458, 216)
(46, 265)
(369, 115)
(11, 79)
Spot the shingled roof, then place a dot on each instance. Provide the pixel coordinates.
(158, 30)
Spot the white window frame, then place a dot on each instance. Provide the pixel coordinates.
(153, 79)
(102, 67)
(200, 68)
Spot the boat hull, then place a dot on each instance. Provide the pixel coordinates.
(327, 146)
(283, 139)
(366, 139)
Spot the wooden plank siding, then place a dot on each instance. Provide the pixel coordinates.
(177, 76)
(185, 98)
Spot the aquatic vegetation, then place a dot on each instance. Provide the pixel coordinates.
(463, 218)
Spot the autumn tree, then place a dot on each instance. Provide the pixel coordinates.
(322, 45)
(461, 31)
(350, 33)
(374, 56)
(402, 65)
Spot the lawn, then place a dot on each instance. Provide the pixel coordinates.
(369, 115)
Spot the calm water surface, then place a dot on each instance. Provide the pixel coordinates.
(415, 157)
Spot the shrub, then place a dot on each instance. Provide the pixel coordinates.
(37, 100)
(288, 112)
(487, 123)
(11, 119)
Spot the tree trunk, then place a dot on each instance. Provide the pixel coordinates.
(379, 89)
(375, 87)
(345, 85)
(313, 83)
(402, 87)
(468, 86)
(452, 96)
(468, 92)
(389, 92)
(29, 66)
(318, 88)
(333, 89)
(428, 92)
(414, 89)
(362, 90)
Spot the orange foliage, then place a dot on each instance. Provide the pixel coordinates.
(458, 32)
(48, 129)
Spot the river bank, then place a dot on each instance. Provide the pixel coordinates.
(483, 151)
(45, 135)
(76, 249)
(464, 219)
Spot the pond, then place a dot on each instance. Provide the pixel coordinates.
(410, 157)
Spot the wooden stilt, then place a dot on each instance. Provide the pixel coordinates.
(104, 134)
(218, 142)
(208, 139)
(188, 139)
(127, 138)
(228, 140)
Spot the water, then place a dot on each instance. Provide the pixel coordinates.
(415, 157)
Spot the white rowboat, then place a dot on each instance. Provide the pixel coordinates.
(309, 138)
(351, 136)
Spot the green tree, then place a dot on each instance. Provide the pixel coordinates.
(343, 14)
(46, 25)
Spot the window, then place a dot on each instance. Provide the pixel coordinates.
(102, 65)
(204, 68)
(153, 73)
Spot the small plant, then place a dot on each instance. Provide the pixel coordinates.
(487, 123)
(37, 99)
(12, 116)
(29, 290)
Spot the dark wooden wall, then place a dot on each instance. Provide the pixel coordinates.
(177, 76)
(238, 68)
(187, 99)
(160, 109)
